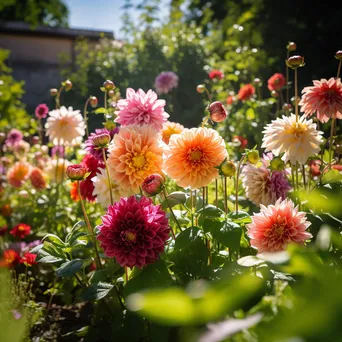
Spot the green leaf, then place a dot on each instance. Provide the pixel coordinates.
(100, 110)
(55, 239)
(96, 291)
(187, 237)
(332, 176)
(240, 216)
(70, 268)
(175, 198)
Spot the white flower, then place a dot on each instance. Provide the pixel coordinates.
(298, 141)
(101, 189)
(65, 126)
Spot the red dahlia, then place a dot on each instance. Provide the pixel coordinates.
(20, 230)
(134, 231)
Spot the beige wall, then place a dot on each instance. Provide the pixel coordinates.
(36, 49)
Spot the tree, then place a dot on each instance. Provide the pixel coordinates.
(35, 12)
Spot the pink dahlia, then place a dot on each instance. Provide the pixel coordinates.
(278, 225)
(165, 82)
(324, 98)
(89, 144)
(13, 137)
(134, 231)
(41, 111)
(139, 108)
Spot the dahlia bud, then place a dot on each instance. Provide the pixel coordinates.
(287, 106)
(53, 92)
(76, 172)
(217, 111)
(200, 88)
(110, 125)
(291, 46)
(68, 85)
(338, 54)
(111, 93)
(227, 168)
(274, 93)
(277, 164)
(93, 101)
(109, 85)
(2, 137)
(153, 185)
(101, 140)
(295, 61)
(253, 156)
(257, 81)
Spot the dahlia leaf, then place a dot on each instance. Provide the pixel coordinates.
(70, 268)
(175, 198)
(96, 291)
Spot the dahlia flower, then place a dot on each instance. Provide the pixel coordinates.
(170, 128)
(10, 258)
(28, 259)
(101, 189)
(41, 111)
(65, 126)
(135, 153)
(13, 137)
(20, 230)
(91, 148)
(18, 174)
(263, 186)
(276, 226)
(246, 92)
(324, 98)
(165, 82)
(276, 82)
(134, 231)
(298, 141)
(20, 149)
(37, 179)
(141, 108)
(191, 157)
(216, 74)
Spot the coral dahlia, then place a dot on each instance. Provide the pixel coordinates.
(37, 178)
(18, 174)
(276, 82)
(135, 153)
(297, 140)
(170, 128)
(134, 231)
(191, 157)
(276, 226)
(65, 126)
(139, 108)
(10, 258)
(246, 92)
(324, 98)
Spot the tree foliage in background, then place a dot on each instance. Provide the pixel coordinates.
(35, 12)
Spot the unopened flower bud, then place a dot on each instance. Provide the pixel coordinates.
(76, 172)
(68, 85)
(338, 54)
(153, 185)
(274, 93)
(93, 101)
(110, 125)
(228, 168)
(2, 137)
(257, 81)
(217, 111)
(287, 106)
(200, 88)
(111, 93)
(293, 100)
(35, 140)
(101, 140)
(291, 46)
(295, 62)
(253, 156)
(109, 85)
(53, 92)
(277, 164)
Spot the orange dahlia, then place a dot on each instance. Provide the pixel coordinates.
(170, 128)
(191, 157)
(135, 153)
(18, 174)
(37, 178)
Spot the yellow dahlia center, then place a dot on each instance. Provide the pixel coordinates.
(279, 227)
(297, 129)
(21, 228)
(195, 155)
(64, 122)
(139, 161)
(130, 236)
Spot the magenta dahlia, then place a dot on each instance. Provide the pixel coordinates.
(134, 231)
(165, 82)
(139, 108)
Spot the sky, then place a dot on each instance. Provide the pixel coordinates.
(102, 14)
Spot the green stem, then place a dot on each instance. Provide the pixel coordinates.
(287, 78)
(85, 116)
(304, 177)
(108, 176)
(225, 195)
(172, 213)
(216, 192)
(58, 100)
(331, 141)
(296, 93)
(90, 230)
(237, 183)
(192, 208)
(339, 69)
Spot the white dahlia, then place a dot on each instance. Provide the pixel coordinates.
(297, 140)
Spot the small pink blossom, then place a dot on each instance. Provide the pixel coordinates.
(165, 82)
(41, 111)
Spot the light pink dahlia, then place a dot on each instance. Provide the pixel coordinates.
(134, 231)
(165, 82)
(324, 98)
(139, 108)
(276, 226)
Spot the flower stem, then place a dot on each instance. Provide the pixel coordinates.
(41, 131)
(331, 140)
(339, 68)
(126, 273)
(287, 78)
(225, 195)
(172, 213)
(192, 207)
(216, 192)
(85, 116)
(90, 231)
(58, 100)
(108, 177)
(296, 93)
(237, 183)
(304, 177)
